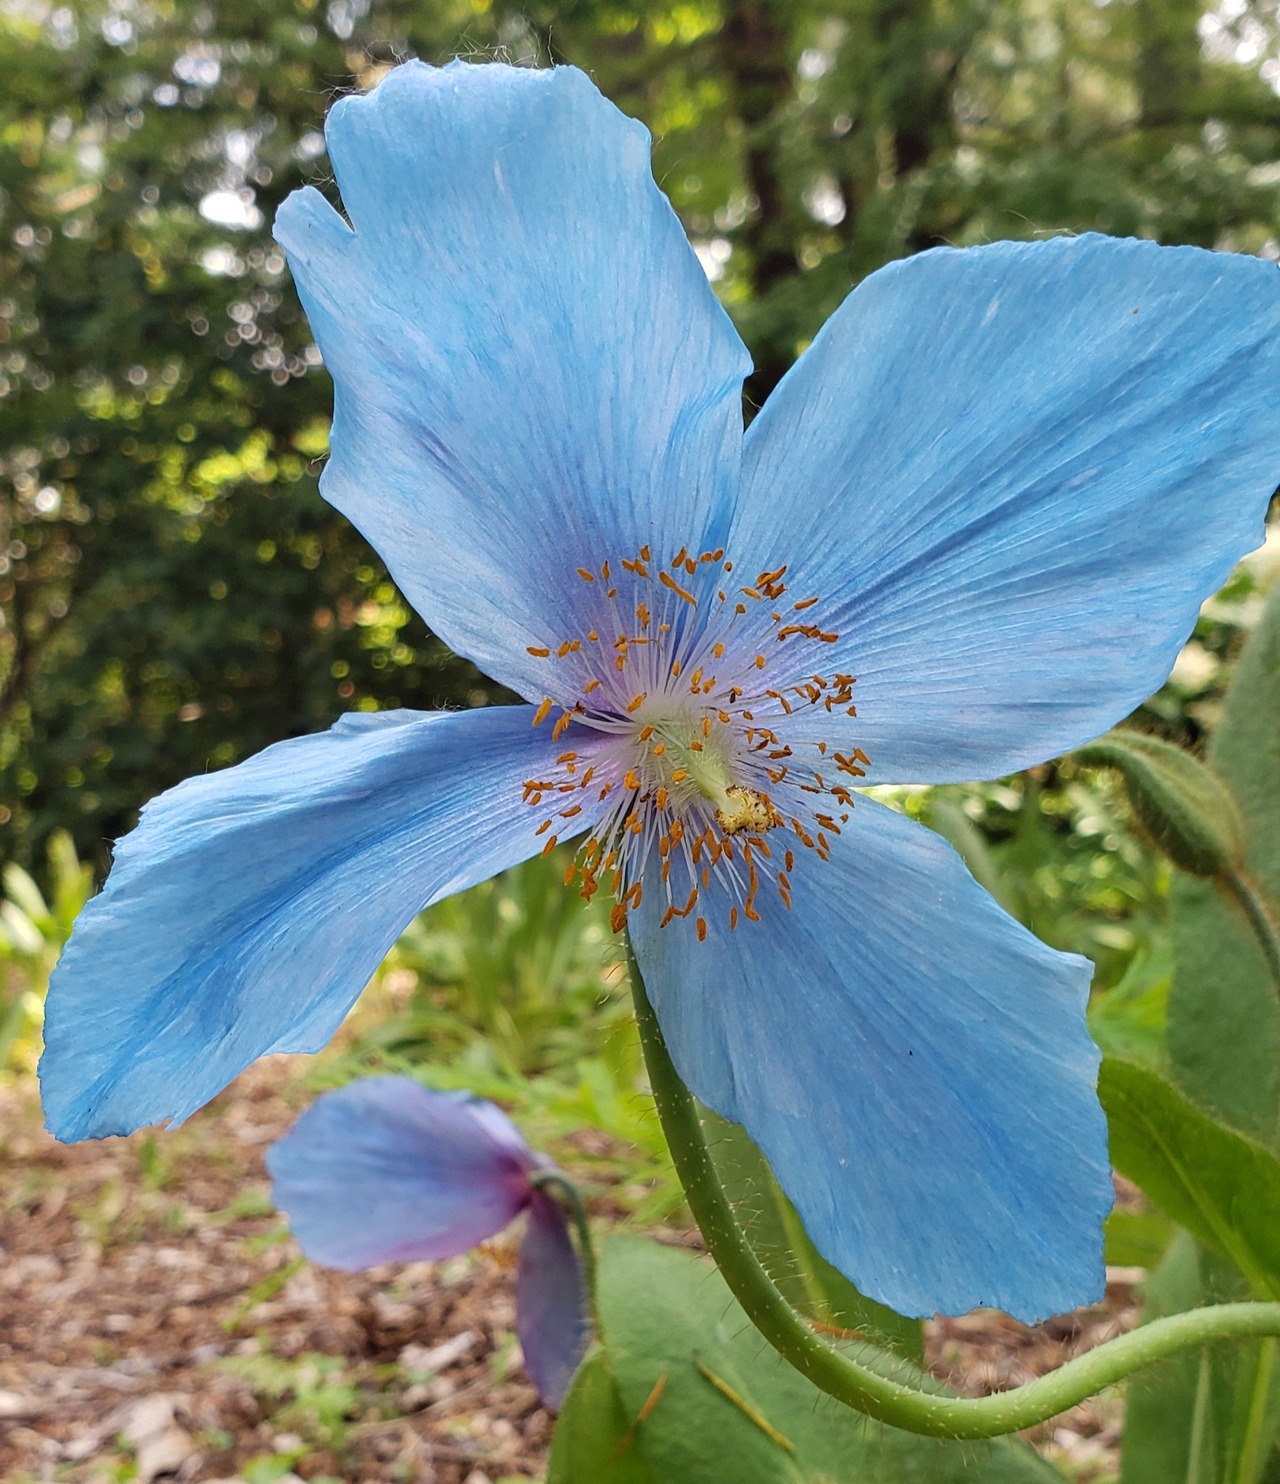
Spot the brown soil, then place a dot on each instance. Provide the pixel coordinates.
(156, 1322)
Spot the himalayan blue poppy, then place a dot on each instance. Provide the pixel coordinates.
(968, 531)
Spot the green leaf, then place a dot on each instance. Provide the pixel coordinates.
(1224, 1020)
(777, 1235)
(1220, 1185)
(1137, 1239)
(25, 894)
(595, 1439)
(719, 1405)
(1129, 1019)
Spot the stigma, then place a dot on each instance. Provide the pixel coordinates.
(687, 682)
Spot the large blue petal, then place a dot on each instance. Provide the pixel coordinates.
(386, 1170)
(913, 1063)
(250, 906)
(1013, 473)
(531, 372)
(551, 1302)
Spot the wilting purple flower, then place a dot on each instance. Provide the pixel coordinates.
(968, 531)
(386, 1170)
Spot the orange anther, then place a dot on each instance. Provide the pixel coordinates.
(668, 581)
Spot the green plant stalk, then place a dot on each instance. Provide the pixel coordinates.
(1197, 1472)
(1257, 915)
(853, 1384)
(1254, 1445)
(555, 1182)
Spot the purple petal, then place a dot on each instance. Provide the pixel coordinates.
(386, 1170)
(551, 1302)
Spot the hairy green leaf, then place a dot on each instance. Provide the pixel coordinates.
(1224, 1018)
(595, 1440)
(712, 1402)
(1220, 1185)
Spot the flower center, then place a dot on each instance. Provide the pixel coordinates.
(691, 684)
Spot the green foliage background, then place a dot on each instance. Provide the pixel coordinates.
(174, 594)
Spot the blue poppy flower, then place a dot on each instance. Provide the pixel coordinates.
(969, 530)
(386, 1170)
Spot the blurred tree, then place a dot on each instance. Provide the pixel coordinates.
(174, 594)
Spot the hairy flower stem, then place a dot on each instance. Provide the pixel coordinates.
(566, 1192)
(1254, 906)
(865, 1390)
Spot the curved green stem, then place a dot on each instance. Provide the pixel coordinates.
(561, 1186)
(866, 1390)
(1254, 906)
